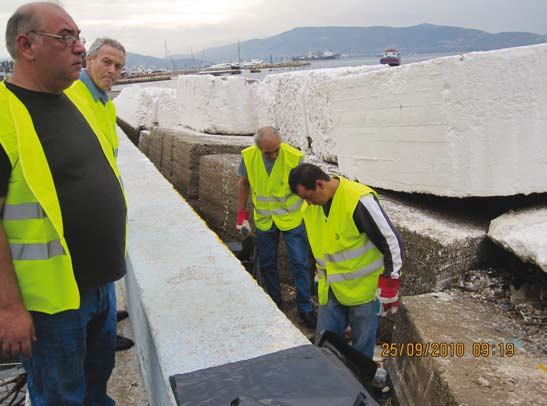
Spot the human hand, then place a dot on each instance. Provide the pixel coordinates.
(388, 295)
(16, 331)
(243, 226)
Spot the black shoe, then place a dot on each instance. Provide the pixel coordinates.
(308, 318)
(123, 343)
(121, 314)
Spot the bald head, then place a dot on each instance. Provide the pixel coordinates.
(26, 18)
(268, 140)
(43, 40)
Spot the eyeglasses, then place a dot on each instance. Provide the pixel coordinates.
(68, 39)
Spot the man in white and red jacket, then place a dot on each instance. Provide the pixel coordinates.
(357, 250)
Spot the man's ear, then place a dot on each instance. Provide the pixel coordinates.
(87, 59)
(24, 47)
(320, 184)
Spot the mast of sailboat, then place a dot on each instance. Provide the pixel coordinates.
(168, 55)
(238, 56)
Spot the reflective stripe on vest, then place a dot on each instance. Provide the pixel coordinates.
(23, 211)
(350, 254)
(295, 207)
(339, 277)
(31, 252)
(115, 152)
(273, 198)
(321, 264)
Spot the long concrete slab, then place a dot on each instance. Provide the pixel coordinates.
(177, 153)
(192, 304)
(451, 351)
(439, 247)
(524, 233)
(441, 126)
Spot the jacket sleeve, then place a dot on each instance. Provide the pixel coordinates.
(371, 219)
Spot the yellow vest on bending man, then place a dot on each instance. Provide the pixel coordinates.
(347, 261)
(272, 198)
(32, 216)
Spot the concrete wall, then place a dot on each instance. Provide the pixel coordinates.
(459, 126)
(181, 278)
(439, 248)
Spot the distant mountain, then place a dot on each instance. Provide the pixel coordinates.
(367, 41)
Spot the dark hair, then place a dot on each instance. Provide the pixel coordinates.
(306, 175)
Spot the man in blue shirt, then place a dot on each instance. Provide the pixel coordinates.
(104, 63)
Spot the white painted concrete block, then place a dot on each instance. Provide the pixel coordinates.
(524, 233)
(300, 105)
(165, 112)
(468, 125)
(217, 105)
(137, 105)
(192, 304)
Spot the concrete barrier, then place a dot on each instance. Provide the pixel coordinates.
(192, 304)
(451, 351)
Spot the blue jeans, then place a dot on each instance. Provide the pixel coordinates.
(361, 318)
(73, 356)
(297, 250)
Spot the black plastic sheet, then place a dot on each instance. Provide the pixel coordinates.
(299, 376)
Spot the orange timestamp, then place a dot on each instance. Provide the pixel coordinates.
(448, 349)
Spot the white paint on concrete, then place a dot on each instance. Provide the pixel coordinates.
(299, 104)
(138, 105)
(468, 125)
(192, 304)
(165, 110)
(217, 105)
(524, 233)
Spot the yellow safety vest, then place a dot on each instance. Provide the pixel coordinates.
(106, 113)
(347, 261)
(272, 197)
(32, 216)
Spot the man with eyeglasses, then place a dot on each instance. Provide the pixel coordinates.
(62, 224)
(265, 167)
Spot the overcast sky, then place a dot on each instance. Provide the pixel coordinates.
(188, 26)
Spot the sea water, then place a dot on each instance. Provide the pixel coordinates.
(323, 64)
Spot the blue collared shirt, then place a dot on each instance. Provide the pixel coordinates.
(95, 91)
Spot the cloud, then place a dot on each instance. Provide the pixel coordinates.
(191, 25)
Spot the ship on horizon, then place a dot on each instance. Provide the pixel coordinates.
(317, 56)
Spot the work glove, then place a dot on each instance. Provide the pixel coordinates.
(387, 295)
(243, 226)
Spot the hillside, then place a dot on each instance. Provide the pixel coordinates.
(359, 41)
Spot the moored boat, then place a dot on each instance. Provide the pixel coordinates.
(317, 56)
(391, 57)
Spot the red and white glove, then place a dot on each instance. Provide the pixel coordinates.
(388, 295)
(243, 226)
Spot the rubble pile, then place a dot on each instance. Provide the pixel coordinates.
(520, 303)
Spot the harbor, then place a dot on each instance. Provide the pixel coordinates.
(422, 279)
(196, 151)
